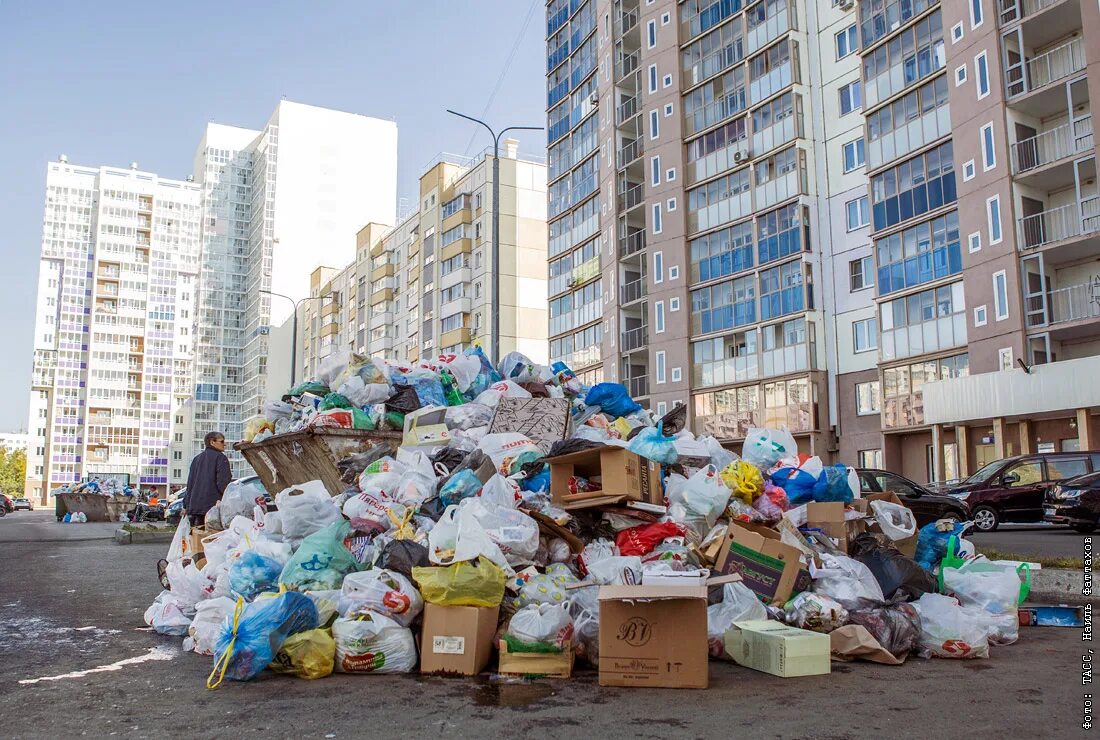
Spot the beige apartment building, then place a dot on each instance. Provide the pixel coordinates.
(423, 288)
(833, 215)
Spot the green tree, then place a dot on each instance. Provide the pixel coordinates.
(13, 472)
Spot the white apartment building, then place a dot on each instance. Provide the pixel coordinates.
(13, 441)
(113, 322)
(276, 204)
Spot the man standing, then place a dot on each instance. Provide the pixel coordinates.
(207, 479)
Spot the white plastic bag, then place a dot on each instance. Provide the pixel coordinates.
(896, 521)
(542, 623)
(720, 457)
(417, 483)
(239, 498)
(305, 509)
(702, 496)
(738, 604)
(381, 591)
(206, 627)
(504, 447)
(373, 643)
(815, 612)
(333, 366)
(584, 606)
(465, 369)
(169, 615)
(458, 536)
(949, 630)
(995, 591)
(617, 570)
(847, 581)
(765, 447)
(181, 542)
(499, 492)
(189, 585)
(364, 394)
(515, 533)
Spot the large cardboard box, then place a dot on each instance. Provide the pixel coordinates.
(621, 472)
(457, 639)
(194, 539)
(653, 636)
(772, 569)
(829, 518)
(773, 647)
(907, 546)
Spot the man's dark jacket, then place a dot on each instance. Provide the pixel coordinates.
(206, 482)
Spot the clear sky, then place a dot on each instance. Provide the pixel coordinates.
(114, 81)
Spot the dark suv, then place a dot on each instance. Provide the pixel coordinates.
(925, 505)
(1012, 490)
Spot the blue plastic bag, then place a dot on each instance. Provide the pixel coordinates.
(428, 389)
(321, 561)
(251, 638)
(798, 484)
(540, 481)
(832, 485)
(252, 574)
(651, 443)
(612, 399)
(932, 544)
(462, 484)
(486, 376)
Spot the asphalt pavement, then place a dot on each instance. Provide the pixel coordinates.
(78, 659)
(1032, 539)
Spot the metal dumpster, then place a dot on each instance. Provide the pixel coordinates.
(292, 459)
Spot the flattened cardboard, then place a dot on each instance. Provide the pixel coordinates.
(829, 518)
(621, 473)
(653, 636)
(675, 578)
(542, 420)
(778, 649)
(457, 639)
(771, 569)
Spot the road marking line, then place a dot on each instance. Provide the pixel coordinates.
(156, 653)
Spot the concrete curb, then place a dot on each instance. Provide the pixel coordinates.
(1059, 585)
(125, 537)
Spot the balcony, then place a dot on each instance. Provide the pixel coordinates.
(631, 151)
(627, 21)
(632, 291)
(627, 110)
(1070, 312)
(380, 318)
(454, 277)
(710, 65)
(586, 271)
(631, 196)
(460, 335)
(1025, 83)
(638, 386)
(631, 243)
(458, 305)
(1031, 157)
(769, 30)
(626, 65)
(1074, 225)
(633, 339)
(582, 358)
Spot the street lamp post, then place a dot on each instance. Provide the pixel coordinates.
(294, 335)
(495, 331)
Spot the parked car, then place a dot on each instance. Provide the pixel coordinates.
(175, 509)
(1074, 501)
(1013, 489)
(7, 503)
(22, 503)
(925, 505)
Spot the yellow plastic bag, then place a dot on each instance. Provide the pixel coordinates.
(256, 424)
(744, 480)
(309, 654)
(467, 583)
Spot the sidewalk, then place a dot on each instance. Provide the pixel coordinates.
(42, 526)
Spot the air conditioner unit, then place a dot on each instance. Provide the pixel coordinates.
(846, 4)
(594, 100)
(741, 155)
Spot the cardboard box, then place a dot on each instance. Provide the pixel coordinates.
(907, 546)
(675, 578)
(772, 569)
(773, 647)
(622, 474)
(426, 427)
(457, 639)
(653, 636)
(195, 541)
(829, 518)
(551, 665)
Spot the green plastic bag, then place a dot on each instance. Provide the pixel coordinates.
(362, 420)
(952, 560)
(450, 388)
(315, 387)
(467, 583)
(321, 561)
(335, 401)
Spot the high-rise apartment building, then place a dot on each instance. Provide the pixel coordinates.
(701, 158)
(277, 203)
(424, 287)
(113, 321)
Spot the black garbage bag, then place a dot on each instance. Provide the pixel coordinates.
(569, 446)
(896, 627)
(472, 461)
(899, 576)
(402, 556)
(433, 508)
(352, 465)
(449, 457)
(404, 400)
(674, 421)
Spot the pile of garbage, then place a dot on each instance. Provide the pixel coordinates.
(599, 528)
(99, 487)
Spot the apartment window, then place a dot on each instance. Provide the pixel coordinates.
(993, 215)
(865, 335)
(659, 356)
(974, 242)
(870, 459)
(677, 376)
(670, 174)
(673, 305)
(921, 323)
(867, 398)
(668, 109)
(975, 13)
(957, 33)
(673, 272)
(666, 18)
(968, 170)
(920, 254)
(853, 154)
(722, 252)
(658, 266)
(659, 317)
(850, 98)
(723, 306)
(177, 455)
(981, 316)
(657, 226)
(653, 78)
(914, 187)
(654, 125)
(654, 171)
(666, 81)
(859, 215)
(846, 42)
(783, 232)
(662, 408)
(1000, 295)
(1004, 357)
(670, 204)
(989, 154)
(981, 75)
(477, 200)
(960, 75)
(651, 33)
(781, 291)
(861, 273)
